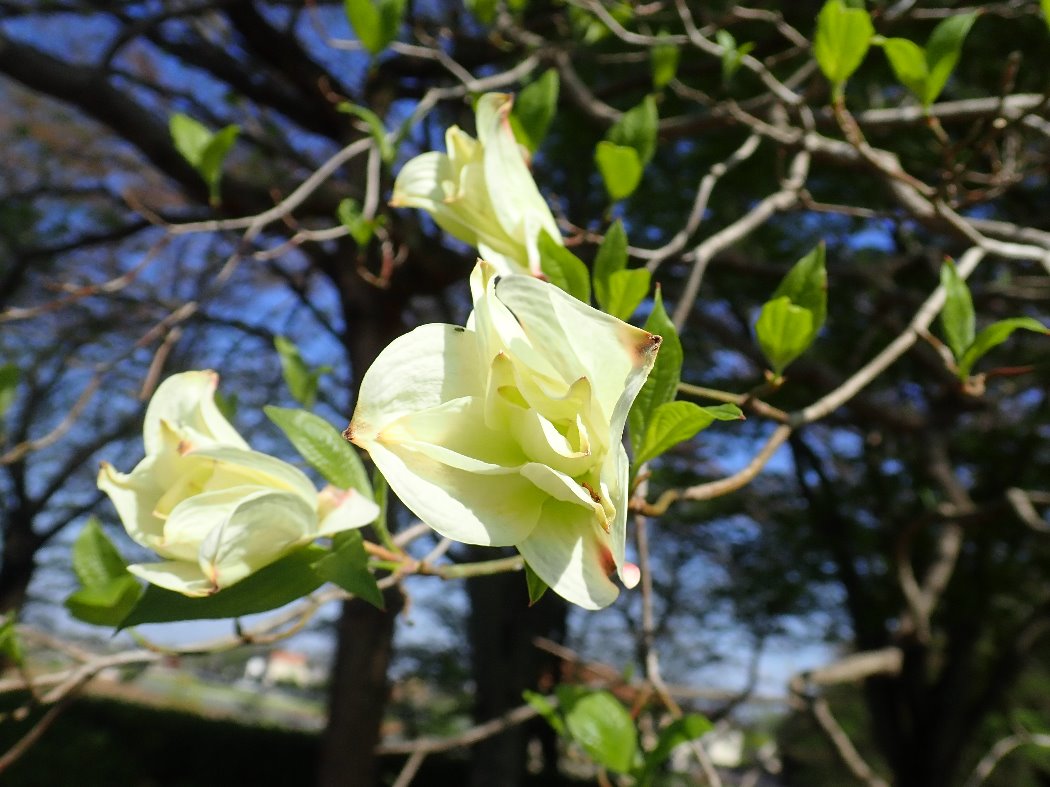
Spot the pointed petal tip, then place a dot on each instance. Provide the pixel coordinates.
(630, 575)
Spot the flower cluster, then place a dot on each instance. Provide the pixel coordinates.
(213, 508)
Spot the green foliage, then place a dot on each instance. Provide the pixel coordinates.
(273, 586)
(663, 60)
(347, 566)
(9, 377)
(994, 335)
(301, 379)
(10, 645)
(620, 168)
(323, 447)
(203, 149)
(536, 586)
(732, 54)
(376, 127)
(957, 317)
(599, 723)
(564, 269)
(792, 317)
(618, 290)
(534, 109)
(688, 728)
(662, 384)
(484, 10)
(637, 129)
(375, 22)
(1045, 6)
(108, 591)
(351, 217)
(925, 71)
(675, 422)
(841, 41)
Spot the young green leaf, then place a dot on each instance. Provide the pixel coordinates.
(795, 313)
(841, 41)
(661, 385)
(688, 728)
(484, 10)
(637, 129)
(600, 724)
(9, 376)
(350, 216)
(277, 584)
(620, 167)
(205, 151)
(611, 257)
(301, 379)
(376, 128)
(675, 422)
(536, 586)
(1045, 6)
(10, 646)
(663, 60)
(908, 61)
(190, 136)
(534, 109)
(95, 560)
(942, 53)
(994, 335)
(375, 22)
(547, 709)
(323, 447)
(564, 269)
(732, 54)
(106, 604)
(957, 317)
(347, 566)
(626, 290)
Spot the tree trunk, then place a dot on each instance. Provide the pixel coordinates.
(504, 663)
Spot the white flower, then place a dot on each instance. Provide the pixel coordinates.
(509, 431)
(213, 508)
(481, 191)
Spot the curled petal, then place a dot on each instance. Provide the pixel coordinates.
(187, 401)
(135, 497)
(180, 576)
(343, 509)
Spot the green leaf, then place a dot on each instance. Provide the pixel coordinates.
(611, 257)
(10, 646)
(484, 10)
(546, 708)
(106, 604)
(994, 335)
(1045, 5)
(732, 54)
(300, 379)
(536, 586)
(375, 22)
(675, 422)
(620, 168)
(273, 586)
(942, 53)
(627, 289)
(602, 726)
(204, 150)
(792, 317)
(534, 109)
(908, 61)
(957, 317)
(350, 216)
(841, 41)
(564, 269)
(688, 728)
(661, 385)
(9, 376)
(376, 127)
(347, 566)
(323, 447)
(637, 129)
(95, 560)
(663, 60)
(784, 331)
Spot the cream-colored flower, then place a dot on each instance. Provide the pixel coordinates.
(481, 191)
(508, 431)
(215, 510)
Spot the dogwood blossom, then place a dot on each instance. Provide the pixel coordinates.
(214, 509)
(509, 431)
(481, 191)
